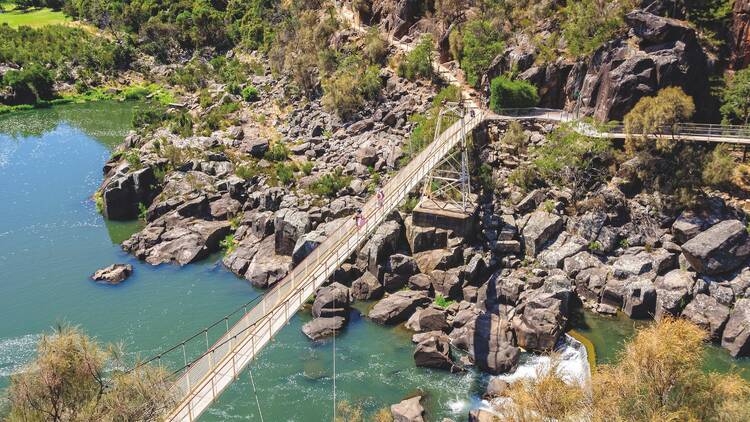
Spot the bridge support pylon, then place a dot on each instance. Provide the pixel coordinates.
(447, 201)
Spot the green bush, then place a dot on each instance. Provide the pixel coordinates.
(442, 301)
(132, 156)
(246, 172)
(277, 152)
(31, 84)
(330, 184)
(228, 244)
(284, 173)
(149, 115)
(719, 167)
(506, 93)
(418, 62)
(376, 47)
(250, 94)
(480, 45)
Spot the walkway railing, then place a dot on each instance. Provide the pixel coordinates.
(203, 379)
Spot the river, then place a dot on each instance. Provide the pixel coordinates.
(52, 239)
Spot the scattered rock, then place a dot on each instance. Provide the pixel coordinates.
(113, 274)
(398, 307)
(722, 248)
(409, 410)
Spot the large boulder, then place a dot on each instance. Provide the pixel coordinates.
(736, 337)
(409, 410)
(386, 240)
(428, 319)
(435, 352)
(398, 307)
(499, 290)
(113, 274)
(267, 267)
(447, 283)
(539, 322)
(123, 193)
(290, 225)
(639, 299)
(721, 249)
(672, 293)
(332, 300)
(707, 313)
(367, 287)
(320, 328)
(566, 245)
(493, 348)
(540, 228)
(422, 239)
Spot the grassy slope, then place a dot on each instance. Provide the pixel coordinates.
(32, 17)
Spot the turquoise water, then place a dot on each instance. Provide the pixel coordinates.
(52, 239)
(609, 334)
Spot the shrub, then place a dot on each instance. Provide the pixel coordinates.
(515, 136)
(31, 84)
(250, 94)
(132, 156)
(99, 202)
(506, 93)
(149, 115)
(588, 24)
(525, 177)
(182, 124)
(376, 47)
(246, 172)
(657, 116)
(277, 152)
(142, 212)
(228, 244)
(736, 98)
(719, 167)
(73, 375)
(443, 302)
(331, 183)
(418, 62)
(284, 173)
(306, 167)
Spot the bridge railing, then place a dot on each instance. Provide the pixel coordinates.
(705, 131)
(537, 113)
(203, 378)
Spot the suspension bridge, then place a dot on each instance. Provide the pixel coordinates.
(201, 379)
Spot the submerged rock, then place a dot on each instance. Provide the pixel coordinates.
(320, 328)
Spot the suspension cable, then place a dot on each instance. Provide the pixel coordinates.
(334, 362)
(252, 381)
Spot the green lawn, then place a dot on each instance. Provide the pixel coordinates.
(32, 17)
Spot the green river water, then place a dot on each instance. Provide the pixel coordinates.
(52, 239)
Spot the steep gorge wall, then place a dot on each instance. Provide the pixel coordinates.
(741, 34)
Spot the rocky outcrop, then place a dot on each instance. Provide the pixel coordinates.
(180, 241)
(332, 300)
(707, 313)
(290, 226)
(435, 352)
(741, 34)
(367, 287)
(385, 241)
(125, 190)
(113, 274)
(736, 337)
(540, 322)
(393, 16)
(539, 229)
(722, 248)
(672, 293)
(398, 307)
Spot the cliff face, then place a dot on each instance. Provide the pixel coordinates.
(741, 34)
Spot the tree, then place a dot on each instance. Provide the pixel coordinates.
(736, 97)
(657, 117)
(70, 381)
(506, 93)
(719, 167)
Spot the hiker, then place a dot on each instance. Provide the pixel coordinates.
(381, 197)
